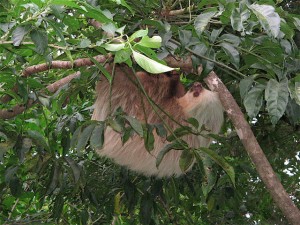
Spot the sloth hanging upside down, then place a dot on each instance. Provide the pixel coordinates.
(169, 94)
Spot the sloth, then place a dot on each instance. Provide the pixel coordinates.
(167, 92)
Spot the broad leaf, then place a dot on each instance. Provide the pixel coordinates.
(163, 152)
(138, 34)
(153, 42)
(186, 160)
(135, 124)
(232, 53)
(40, 40)
(97, 137)
(148, 137)
(114, 47)
(150, 65)
(253, 101)
(276, 95)
(84, 137)
(39, 139)
(245, 85)
(293, 112)
(221, 162)
(202, 20)
(19, 33)
(268, 18)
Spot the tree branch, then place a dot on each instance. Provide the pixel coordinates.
(18, 109)
(255, 152)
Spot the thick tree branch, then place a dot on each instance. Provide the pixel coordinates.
(255, 152)
(64, 64)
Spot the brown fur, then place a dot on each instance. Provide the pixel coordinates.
(167, 92)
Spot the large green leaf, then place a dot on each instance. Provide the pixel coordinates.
(40, 40)
(202, 20)
(135, 124)
(150, 65)
(268, 18)
(277, 95)
(186, 160)
(97, 137)
(253, 101)
(221, 162)
(232, 53)
(19, 33)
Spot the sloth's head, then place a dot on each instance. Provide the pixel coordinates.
(204, 105)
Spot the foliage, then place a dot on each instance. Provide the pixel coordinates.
(49, 172)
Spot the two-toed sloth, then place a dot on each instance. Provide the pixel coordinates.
(169, 94)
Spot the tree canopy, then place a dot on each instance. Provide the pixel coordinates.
(52, 54)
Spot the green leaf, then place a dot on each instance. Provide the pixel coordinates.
(19, 33)
(221, 162)
(115, 125)
(84, 137)
(38, 139)
(150, 65)
(76, 169)
(114, 47)
(15, 186)
(70, 3)
(202, 20)
(194, 122)
(294, 88)
(293, 112)
(122, 55)
(210, 177)
(84, 43)
(232, 53)
(146, 209)
(245, 86)
(40, 39)
(160, 130)
(179, 132)
(268, 18)
(163, 152)
(97, 137)
(148, 137)
(185, 37)
(123, 3)
(186, 160)
(238, 19)
(95, 13)
(253, 101)
(58, 207)
(277, 95)
(138, 34)
(153, 42)
(135, 124)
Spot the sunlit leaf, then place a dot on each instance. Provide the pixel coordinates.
(153, 42)
(150, 65)
(138, 34)
(114, 47)
(202, 20)
(268, 18)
